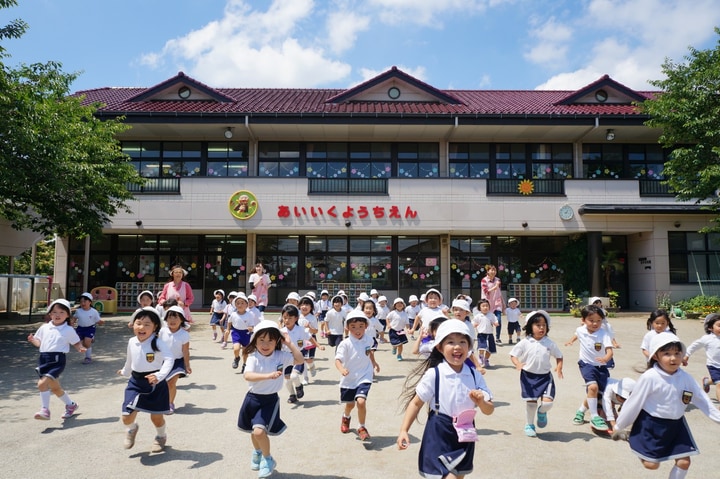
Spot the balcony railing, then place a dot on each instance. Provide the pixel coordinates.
(347, 186)
(156, 186)
(526, 187)
(654, 188)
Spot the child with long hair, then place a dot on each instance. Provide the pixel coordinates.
(54, 339)
(452, 390)
(149, 361)
(531, 356)
(658, 322)
(656, 409)
(711, 342)
(399, 323)
(178, 338)
(260, 411)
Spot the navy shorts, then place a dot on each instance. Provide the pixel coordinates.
(261, 411)
(513, 327)
(240, 336)
(594, 374)
(86, 332)
(309, 353)
(334, 340)
(51, 365)
(215, 318)
(486, 341)
(352, 395)
(714, 373)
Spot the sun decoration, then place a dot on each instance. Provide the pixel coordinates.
(526, 187)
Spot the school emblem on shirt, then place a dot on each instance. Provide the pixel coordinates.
(598, 346)
(687, 397)
(279, 367)
(301, 344)
(243, 205)
(368, 350)
(150, 357)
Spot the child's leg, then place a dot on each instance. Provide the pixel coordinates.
(87, 343)
(172, 387)
(399, 350)
(530, 408)
(129, 419)
(349, 406)
(717, 391)
(679, 471)
(261, 441)
(362, 410)
(54, 386)
(236, 350)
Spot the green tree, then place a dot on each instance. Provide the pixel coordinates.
(61, 169)
(688, 112)
(44, 260)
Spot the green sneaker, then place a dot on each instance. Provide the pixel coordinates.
(599, 423)
(530, 430)
(579, 418)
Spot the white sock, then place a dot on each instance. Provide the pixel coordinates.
(88, 352)
(66, 399)
(289, 386)
(677, 473)
(160, 430)
(545, 406)
(592, 406)
(295, 379)
(132, 427)
(45, 399)
(530, 408)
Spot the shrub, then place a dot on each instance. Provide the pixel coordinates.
(700, 304)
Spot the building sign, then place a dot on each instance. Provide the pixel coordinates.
(243, 205)
(347, 212)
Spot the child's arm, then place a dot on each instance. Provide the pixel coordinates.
(416, 344)
(317, 345)
(411, 412)
(186, 357)
(376, 366)
(297, 354)
(486, 406)
(518, 365)
(340, 367)
(33, 340)
(572, 340)
(608, 355)
(558, 368)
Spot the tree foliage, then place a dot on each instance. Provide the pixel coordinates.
(688, 112)
(61, 169)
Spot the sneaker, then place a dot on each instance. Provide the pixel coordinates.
(236, 363)
(242, 370)
(43, 414)
(158, 444)
(706, 384)
(70, 411)
(292, 399)
(498, 341)
(267, 465)
(87, 360)
(599, 423)
(579, 418)
(394, 351)
(214, 336)
(345, 425)
(541, 419)
(363, 434)
(223, 345)
(510, 341)
(171, 410)
(399, 357)
(255, 460)
(530, 430)
(300, 391)
(305, 382)
(130, 437)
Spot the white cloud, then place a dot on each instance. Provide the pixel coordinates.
(343, 28)
(253, 48)
(426, 12)
(632, 44)
(550, 42)
(417, 72)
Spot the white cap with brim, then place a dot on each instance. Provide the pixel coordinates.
(242, 296)
(62, 302)
(262, 325)
(252, 297)
(462, 304)
(594, 299)
(662, 339)
(412, 298)
(354, 314)
(87, 296)
(514, 299)
(219, 291)
(293, 295)
(433, 290)
(450, 326)
(398, 300)
(382, 298)
(176, 309)
(142, 293)
(541, 312)
(625, 387)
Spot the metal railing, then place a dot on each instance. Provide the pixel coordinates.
(348, 186)
(654, 188)
(156, 186)
(513, 187)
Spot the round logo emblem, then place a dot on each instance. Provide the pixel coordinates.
(243, 205)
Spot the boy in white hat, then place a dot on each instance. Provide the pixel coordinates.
(513, 315)
(87, 318)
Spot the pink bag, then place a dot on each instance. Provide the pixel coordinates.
(463, 424)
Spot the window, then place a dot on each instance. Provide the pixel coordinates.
(510, 161)
(181, 158)
(468, 257)
(418, 262)
(551, 161)
(694, 257)
(227, 159)
(469, 160)
(361, 259)
(279, 159)
(646, 162)
(145, 156)
(418, 160)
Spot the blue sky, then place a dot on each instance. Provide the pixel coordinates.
(450, 44)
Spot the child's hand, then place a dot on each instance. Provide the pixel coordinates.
(519, 366)
(376, 366)
(31, 337)
(477, 396)
(344, 372)
(403, 441)
(188, 370)
(152, 379)
(286, 339)
(275, 374)
(322, 348)
(119, 372)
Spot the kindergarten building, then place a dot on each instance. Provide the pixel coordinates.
(396, 185)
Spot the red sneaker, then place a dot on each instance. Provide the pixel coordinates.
(345, 425)
(363, 434)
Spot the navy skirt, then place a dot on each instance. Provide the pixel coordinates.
(140, 395)
(656, 439)
(440, 451)
(398, 338)
(536, 386)
(51, 365)
(178, 369)
(262, 411)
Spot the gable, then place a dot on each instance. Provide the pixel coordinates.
(603, 91)
(181, 88)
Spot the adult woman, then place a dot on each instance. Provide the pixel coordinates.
(260, 283)
(491, 291)
(178, 290)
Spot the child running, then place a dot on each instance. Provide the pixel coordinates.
(399, 323)
(656, 409)
(229, 309)
(595, 352)
(177, 337)
(513, 315)
(299, 336)
(240, 324)
(711, 342)
(260, 411)
(54, 339)
(657, 323)
(87, 319)
(149, 361)
(453, 390)
(485, 324)
(335, 322)
(355, 359)
(144, 299)
(217, 309)
(531, 357)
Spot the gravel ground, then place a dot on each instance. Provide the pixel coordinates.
(204, 442)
